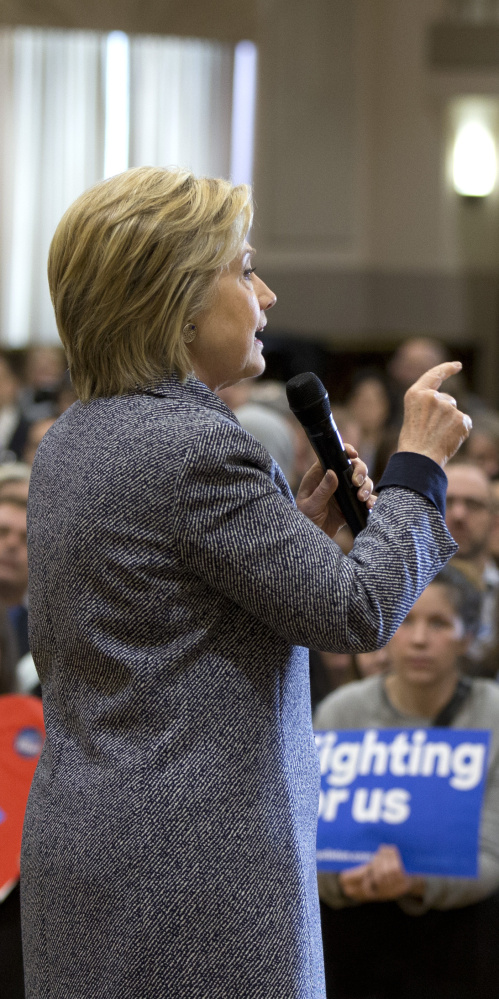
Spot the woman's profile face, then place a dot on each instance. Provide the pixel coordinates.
(227, 345)
(369, 404)
(426, 648)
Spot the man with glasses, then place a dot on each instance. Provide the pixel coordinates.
(470, 517)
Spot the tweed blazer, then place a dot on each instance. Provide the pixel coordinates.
(169, 840)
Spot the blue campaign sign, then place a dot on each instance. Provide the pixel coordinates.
(418, 789)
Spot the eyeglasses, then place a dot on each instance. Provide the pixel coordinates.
(472, 505)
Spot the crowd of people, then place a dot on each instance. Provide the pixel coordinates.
(412, 936)
(34, 391)
(383, 924)
(418, 935)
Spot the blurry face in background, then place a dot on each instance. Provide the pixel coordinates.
(426, 648)
(494, 534)
(45, 367)
(227, 346)
(36, 431)
(13, 553)
(236, 395)
(469, 509)
(370, 663)
(413, 358)
(369, 405)
(484, 451)
(16, 488)
(9, 386)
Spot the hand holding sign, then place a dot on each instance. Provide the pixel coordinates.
(421, 789)
(381, 880)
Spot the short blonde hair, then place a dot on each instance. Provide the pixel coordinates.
(131, 262)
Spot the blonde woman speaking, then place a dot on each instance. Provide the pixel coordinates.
(169, 841)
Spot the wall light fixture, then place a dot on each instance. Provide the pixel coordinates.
(474, 161)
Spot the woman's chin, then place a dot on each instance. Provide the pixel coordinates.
(255, 367)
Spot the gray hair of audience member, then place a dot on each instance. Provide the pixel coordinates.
(464, 596)
(273, 431)
(14, 481)
(270, 393)
(482, 445)
(14, 471)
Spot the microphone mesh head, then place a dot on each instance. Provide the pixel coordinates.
(306, 390)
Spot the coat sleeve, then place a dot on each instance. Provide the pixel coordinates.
(239, 531)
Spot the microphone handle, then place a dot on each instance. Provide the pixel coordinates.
(328, 446)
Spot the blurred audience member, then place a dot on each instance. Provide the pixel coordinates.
(494, 534)
(482, 445)
(14, 485)
(8, 655)
(14, 567)
(331, 670)
(13, 425)
(471, 517)
(14, 480)
(236, 395)
(347, 425)
(413, 357)
(374, 948)
(268, 392)
(36, 431)
(270, 395)
(371, 663)
(275, 433)
(44, 369)
(328, 671)
(66, 395)
(371, 405)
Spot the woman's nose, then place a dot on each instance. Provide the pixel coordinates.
(266, 297)
(419, 634)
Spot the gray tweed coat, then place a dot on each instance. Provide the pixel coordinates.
(168, 847)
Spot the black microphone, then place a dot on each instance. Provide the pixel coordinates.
(309, 401)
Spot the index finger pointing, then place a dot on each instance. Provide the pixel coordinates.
(433, 378)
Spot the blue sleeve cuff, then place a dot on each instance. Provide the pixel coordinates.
(410, 470)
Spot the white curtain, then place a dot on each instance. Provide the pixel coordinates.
(52, 136)
(52, 141)
(181, 104)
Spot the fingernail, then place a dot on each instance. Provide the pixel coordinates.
(359, 478)
(365, 494)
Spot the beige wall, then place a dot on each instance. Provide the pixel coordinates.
(363, 238)
(357, 227)
(224, 19)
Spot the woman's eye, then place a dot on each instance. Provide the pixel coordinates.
(249, 272)
(439, 622)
